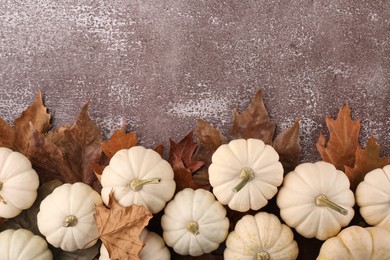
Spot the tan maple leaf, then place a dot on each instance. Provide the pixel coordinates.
(17, 137)
(287, 144)
(366, 160)
(120, 228)
(254, 121)
(341, 147)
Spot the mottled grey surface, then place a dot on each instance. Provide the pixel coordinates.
(160, 65)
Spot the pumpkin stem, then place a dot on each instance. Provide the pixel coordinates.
(246, 174)
(137, 184)
(323, 201)
(70, 221)
(1, 198)
(263, 256)
(193, 227)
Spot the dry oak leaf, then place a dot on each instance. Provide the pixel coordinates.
(67, 153)
(17, 137)
(120, 228)
(119, 140)
(341, 147)
(367, 159)
(180, 158)
(254, 121)
(287, 144)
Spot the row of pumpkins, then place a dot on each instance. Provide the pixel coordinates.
(315, 199)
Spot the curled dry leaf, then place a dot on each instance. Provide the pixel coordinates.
(254, 121)
(17, 137)
(120, 228)
(181, 160)
(341, 147)
(67, 153)
(367, 159)
(287, 144)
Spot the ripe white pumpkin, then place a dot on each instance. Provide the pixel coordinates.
(356, 242)
(154, 248)
(66, 216)
(194, 223)
(373, 197)
(315, 199)
(261, 237)
(138, 176)
(22, 244)
(18, 183)
(245, 174)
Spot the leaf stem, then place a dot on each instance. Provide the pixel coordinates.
(246, 174)
(323, 201)
(137, 184)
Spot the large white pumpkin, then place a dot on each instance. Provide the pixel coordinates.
(245, 174)
(18, 183)
(66, 216)
(138, 176)
(22, 244)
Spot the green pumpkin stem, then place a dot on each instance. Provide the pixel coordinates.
(323, 201)
(70, 221)
(263, 256)
(137, 184)
(193, 227)
(246, 175)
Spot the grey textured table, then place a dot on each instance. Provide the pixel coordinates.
(160, 65)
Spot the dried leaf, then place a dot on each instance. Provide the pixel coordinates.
(367, 159)
(7, 135)
(67, 153)
(120, 228)
(254, 122)
(180, 157)
(182, 153)
(119, 140)
(2, 220)
(343, 141)
(287, 144)
(159, 149)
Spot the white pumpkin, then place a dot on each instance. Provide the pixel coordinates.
(373, 197)
(261, 237)
(245, 174)
(18, 183)
(315, 199)
(138, 176)
(66, 216)
(356, 242)
(154, 248)
(22, 244)
(194, 223)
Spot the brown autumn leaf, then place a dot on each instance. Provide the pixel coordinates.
(341, 147)
(120, 228)
(254, 121)
(67, 153)
(17, 137)
(2, 220)
(366, 160)
(159, 149)
(287, 144)
(180, 157)
(119, 140)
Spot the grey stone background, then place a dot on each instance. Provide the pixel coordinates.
(160, 65)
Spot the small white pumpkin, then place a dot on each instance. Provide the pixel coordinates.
(245, 174)
(315, 199)
(154, 248)
(373, 197)
(138, 176)
(194, 222)
(66, 216)
(22, 244)
(261, 237)
(18, 183)
(356, 242)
